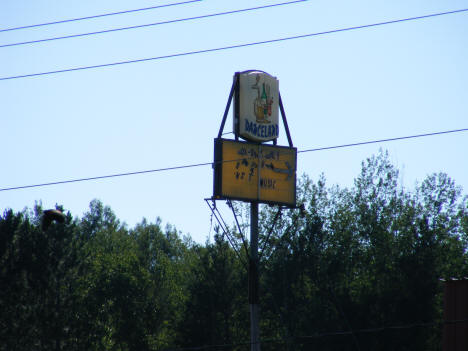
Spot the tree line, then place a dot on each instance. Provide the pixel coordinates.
(357, 268)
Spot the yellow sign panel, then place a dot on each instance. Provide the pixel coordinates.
(255, 172)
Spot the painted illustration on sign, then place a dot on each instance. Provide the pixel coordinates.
(263, 102)
(257, 107)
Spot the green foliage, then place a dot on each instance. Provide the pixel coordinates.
(38, 277)
(215, 312)
(370, 256)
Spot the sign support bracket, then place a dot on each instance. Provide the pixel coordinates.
(285, 122)
(228, 104)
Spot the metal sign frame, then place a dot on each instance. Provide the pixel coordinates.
(234, 87)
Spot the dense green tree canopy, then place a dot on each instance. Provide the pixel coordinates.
(357, 268)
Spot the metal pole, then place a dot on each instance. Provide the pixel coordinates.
(285, 122)
(228, 105)
(254, 299)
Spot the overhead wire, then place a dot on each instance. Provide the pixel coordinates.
(97, 16)
(214, 163)
(382, 140)
(225, 228)
(244, 243)
(151, 24)
(307, 338)
(230, 47)
(107, 176)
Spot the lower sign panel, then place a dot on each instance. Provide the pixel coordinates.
(255, 172)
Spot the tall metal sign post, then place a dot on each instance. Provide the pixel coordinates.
(252, 171)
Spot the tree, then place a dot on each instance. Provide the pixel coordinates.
(38, 279)
(216, 308)
(356, 268)
(367, 257)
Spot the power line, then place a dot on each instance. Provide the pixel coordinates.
(213, 163)
(237, 46)
(382, 140)
(150, 24)
(305, 339)
(107, 176)
(97, 16)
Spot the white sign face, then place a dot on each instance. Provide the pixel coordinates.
(257, 100)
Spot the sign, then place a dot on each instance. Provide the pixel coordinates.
(255, 172)
(256, 106)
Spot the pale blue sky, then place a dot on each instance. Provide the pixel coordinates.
(381, 82)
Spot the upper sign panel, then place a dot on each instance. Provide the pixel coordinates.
(256, 111)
